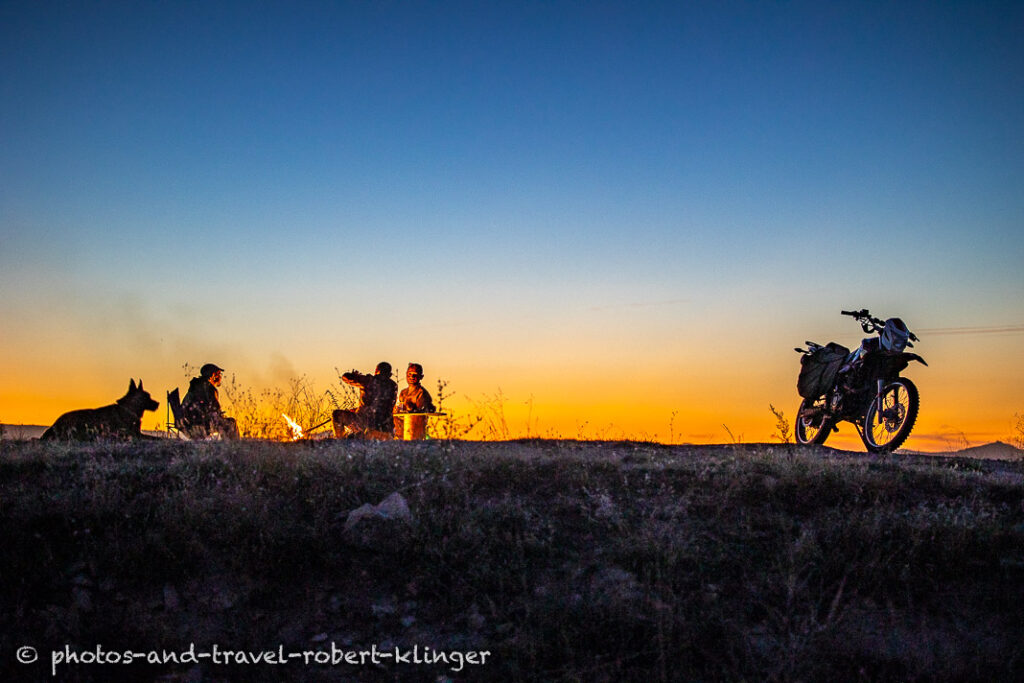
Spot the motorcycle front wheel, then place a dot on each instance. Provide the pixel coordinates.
(885, 430)
(812, 426)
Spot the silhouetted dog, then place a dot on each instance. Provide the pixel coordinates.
(122, 420)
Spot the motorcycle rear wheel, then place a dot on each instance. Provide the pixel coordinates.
(886, 431)
(815, 429)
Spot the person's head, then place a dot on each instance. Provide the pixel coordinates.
(212, 374)
(383, 368)
(414, 374)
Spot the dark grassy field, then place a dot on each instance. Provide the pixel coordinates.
(564, 561)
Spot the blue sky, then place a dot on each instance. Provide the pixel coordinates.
(500, 187)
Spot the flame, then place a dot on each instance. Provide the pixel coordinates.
(296, 429)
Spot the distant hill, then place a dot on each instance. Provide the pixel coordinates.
(997, 450)
(23, 431)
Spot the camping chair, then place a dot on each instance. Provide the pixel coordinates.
(175, 424)
(180, 428)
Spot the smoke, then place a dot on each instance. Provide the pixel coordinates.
(281, 369)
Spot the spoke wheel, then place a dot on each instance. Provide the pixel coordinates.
(812, 426)
(886, 429)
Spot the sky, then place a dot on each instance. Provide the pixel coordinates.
(619, 217)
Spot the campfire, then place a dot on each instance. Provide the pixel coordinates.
(299, 433)
(296, 429)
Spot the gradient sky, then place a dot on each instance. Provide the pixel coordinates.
(613, 213)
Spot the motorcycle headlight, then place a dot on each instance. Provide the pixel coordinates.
(895, 335)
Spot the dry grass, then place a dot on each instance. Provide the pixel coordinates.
(566, 560)
(1017, 440)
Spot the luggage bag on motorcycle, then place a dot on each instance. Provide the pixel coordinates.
(818, 370)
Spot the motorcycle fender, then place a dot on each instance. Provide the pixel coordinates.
(914, 356)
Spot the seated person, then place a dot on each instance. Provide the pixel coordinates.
(413, 399)
(201, 411)
(372, 418)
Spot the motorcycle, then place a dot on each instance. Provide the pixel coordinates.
(863, 387)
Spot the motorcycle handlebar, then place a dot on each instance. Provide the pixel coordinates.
(864, 315)
(870, 323)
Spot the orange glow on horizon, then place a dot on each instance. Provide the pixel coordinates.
(967, 398)
(509, 417)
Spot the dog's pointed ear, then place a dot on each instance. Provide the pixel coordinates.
(140, 384)
(131, 385)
